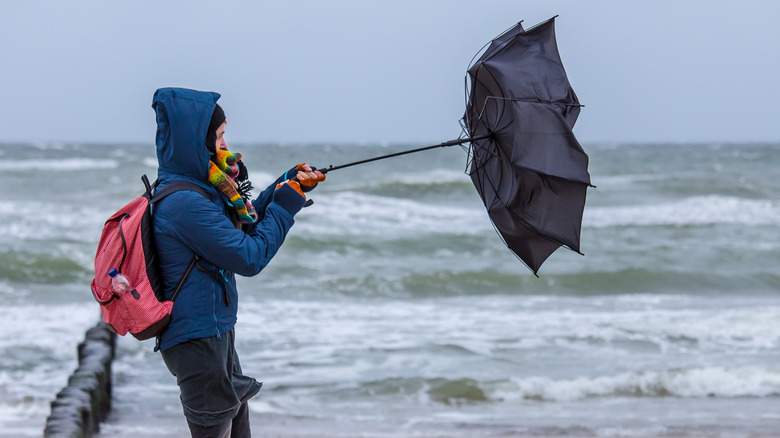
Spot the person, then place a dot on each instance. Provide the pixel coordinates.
(230, 236)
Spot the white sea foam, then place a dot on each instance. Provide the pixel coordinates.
(150, 162)
(432, 177)
(354, 213)
(702, 382)
(508, 330)
(37, 354)
(607, 181)
(261, 179)
(376, 353)
(697, 210)
(64, 164)
(24, 221)
(642, 432)
(745, 330)
(141, 430)
(44, 145)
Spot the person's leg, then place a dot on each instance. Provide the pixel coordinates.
(241, 423)
(219, 431)
(203, 369)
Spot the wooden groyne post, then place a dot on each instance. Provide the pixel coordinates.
(86, 400)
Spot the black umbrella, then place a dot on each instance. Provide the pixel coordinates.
(531, 172)
(523, 158)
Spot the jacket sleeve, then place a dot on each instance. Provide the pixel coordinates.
(200, 225)
(264, 198)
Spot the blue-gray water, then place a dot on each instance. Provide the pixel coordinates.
(393, 308)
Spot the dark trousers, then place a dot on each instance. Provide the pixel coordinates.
(238, 427)
(213, 389)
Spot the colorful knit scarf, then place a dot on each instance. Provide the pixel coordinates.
(222, 175)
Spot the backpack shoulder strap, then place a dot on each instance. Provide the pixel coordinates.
(177, 186)
(184, 276)
(173, 187)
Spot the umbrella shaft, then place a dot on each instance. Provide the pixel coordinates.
(455, 142)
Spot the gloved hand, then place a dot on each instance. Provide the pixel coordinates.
(308, 176)
(288, 195)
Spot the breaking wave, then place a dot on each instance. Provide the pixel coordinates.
(697, 383)
(682, 383)
(697, 211)
(65, 164)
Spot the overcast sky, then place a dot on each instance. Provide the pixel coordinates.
(382, 71)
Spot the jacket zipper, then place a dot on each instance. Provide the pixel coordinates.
(214, 309)
(225, 287)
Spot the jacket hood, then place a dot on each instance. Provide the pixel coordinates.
(182, 121)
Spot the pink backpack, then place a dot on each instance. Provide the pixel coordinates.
(127, 245)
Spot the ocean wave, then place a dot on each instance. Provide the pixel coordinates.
(697, 210)
(689, 383)
(35, 360)
(525, 328)
(431, 177)
(748, 331)
(39, 145)
(64, 164)
(441, 390)
(407, 183)
(352, 214)
(54, 266)
(465, 272)
(71, 221)
(620, 181)
(711, 382)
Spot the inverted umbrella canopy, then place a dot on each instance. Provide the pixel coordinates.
(530, 171)
(525, 162)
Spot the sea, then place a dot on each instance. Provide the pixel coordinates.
(393, 308)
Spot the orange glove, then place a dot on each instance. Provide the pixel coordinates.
(288, 195)
(309, 176)
(295, 185)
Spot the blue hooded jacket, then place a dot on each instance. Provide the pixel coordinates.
(186, 223)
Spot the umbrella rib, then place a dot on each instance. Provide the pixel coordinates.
(523, 221)
(505, 43)
(501, 113)
(524, 167)
(524, 32)
(506, 245)
(482, 148)
(540, 24)
(496, 155)
(552, 239)
(518, 218)
(536, 100)
(482, 113)
(471, 63)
